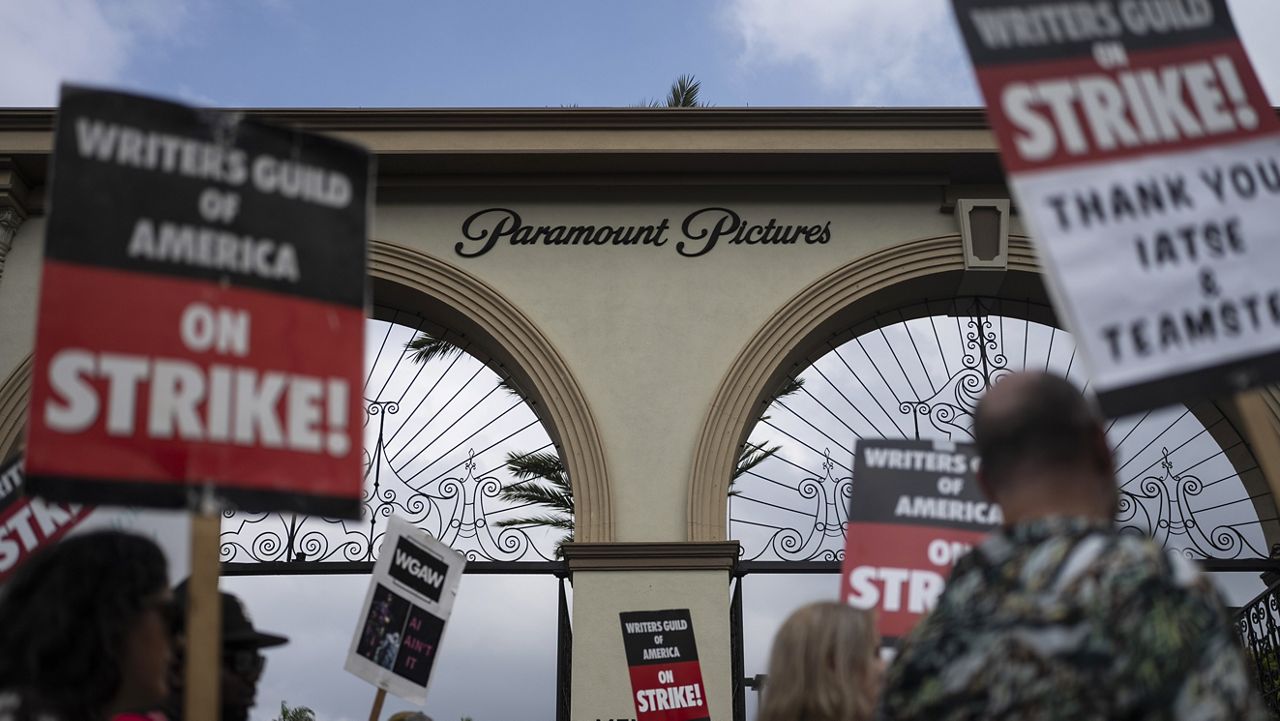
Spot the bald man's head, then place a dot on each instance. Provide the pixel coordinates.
(1031, 423)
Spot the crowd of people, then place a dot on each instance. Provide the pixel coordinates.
(1056, 616)
(93, 632)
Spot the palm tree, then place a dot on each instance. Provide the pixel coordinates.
(542, 481)
(297, 713)
(683, 94)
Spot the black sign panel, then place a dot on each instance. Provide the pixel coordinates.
(914, 508)
(10, 483)
(201, 318)
(919, 483)
(662, 658)
(162, 188)
(658, 636)
(1017, 31)
(400, 637)
(416, 568)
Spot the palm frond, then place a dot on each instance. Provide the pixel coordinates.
(565, 524)
(793, 385)
(426, 347)
(568, 538)
(549, 497)
(684, 93)
(752, 456)
(544, 465)
(509, 386)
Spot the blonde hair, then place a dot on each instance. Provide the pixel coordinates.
(823, 667)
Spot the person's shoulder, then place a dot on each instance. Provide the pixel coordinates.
(1132, 564)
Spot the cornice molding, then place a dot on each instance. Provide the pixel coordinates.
(714, 556)
(354, 119)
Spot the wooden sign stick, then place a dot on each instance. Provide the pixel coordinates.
(378, 698)
(1262, 437)
(204, 618)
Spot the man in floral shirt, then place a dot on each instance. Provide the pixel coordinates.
(1059, 616)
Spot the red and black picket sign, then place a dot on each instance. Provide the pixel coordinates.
(27, 524)
(914, 509)
(201, 312)
(1145, 160)
(666, 678)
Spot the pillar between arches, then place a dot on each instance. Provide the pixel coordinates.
(611, 578)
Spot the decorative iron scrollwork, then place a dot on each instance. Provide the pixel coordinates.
(784, 511)
(461, 505)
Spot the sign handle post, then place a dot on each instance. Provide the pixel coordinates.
(204, 618)
(1262, 438)
(378, 698)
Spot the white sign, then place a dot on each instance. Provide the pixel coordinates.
(1146, 160)
(402, 620)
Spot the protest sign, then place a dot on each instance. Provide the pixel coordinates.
(1145, 159)
(201, 311)
(914, 508)
(402, 620)
(666, 678)
(27, 524)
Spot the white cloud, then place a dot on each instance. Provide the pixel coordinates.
(908, 52)
(48, 42)
(1257, 22)
(865, 52)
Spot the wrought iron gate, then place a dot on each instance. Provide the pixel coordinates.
(439, 436)
(1187, 477)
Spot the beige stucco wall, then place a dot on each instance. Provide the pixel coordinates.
(602, 686)
(647, 333)
(19, 289)
(648, 336)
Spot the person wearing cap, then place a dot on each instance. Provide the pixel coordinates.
(242, 661)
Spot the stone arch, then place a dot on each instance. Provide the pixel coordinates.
(412, 281)
(881, 281)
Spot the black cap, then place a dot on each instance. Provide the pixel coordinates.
(237, 629)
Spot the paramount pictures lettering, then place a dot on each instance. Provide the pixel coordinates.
(700, 232)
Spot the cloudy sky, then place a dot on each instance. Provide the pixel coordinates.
(496, 664)
(457, 53)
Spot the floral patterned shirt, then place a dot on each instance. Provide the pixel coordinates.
(1067, 618)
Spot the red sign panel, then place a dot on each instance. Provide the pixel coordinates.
(914, 509)
(666, 679)
(201, 312)
(27, 524)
